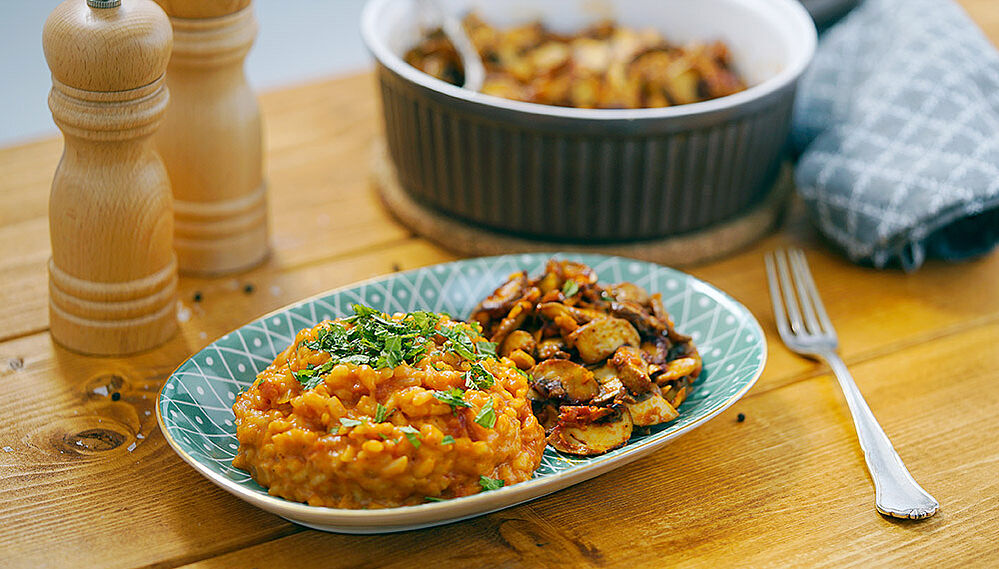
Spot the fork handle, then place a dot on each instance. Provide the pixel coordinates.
(897, 494)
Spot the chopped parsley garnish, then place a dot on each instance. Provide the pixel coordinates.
(454, 397)
(433, 499)
(486, 349)
(374, 339)
(478, 377)
(412, 434)
(380, 413)
(570, 288)
(488, 484)
(486, 416)
(459, 338)
(349, 422)
(308, 381)
(447, 440)
(313, 376)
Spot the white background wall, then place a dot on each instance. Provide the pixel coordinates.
(299, 40)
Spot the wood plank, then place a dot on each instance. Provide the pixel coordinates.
(337, 111)
(320, 204)
(52, 399)
(73, 469)
(320, 211)
(28, 171)
(64, 505)
(874, 311)
(788, 490)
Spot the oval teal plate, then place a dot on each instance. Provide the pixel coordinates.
(194, 406)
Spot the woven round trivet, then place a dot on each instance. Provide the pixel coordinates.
(466, 239)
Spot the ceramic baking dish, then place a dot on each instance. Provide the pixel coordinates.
(594, 175)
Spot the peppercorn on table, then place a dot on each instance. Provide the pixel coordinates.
(87, 479)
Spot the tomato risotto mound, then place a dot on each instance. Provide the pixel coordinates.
(377, 411)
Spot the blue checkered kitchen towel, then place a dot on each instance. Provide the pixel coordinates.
(897, 123)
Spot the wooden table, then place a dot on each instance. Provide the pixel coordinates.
(86, 478)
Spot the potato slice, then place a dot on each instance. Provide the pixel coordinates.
(598, 339)
(566, 380)
(587, 439)
(652, 410)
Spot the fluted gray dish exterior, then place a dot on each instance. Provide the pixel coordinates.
(577, 179)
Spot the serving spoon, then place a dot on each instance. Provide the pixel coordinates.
(475, 72)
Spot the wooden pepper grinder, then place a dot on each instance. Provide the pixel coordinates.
(210, 140)
(113, 272)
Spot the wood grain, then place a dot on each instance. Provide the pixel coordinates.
(331, 214)
(211, 141)
(202, 8)
(334, 212)
(789, 490)
(113, 273)
(73, 469)
(787, 487)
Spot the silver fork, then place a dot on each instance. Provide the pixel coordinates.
(805, 328)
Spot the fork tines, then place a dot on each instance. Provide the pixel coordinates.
(798, 309)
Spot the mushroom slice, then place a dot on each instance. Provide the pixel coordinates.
(546, 413)
(512, 321)
(656, 350)
(552, 348)
(501, 300)
(681, 396)
(656, 301)
(632, 369)
(604, 373)
(587, 431)
(598, 339)
(611, 391)
(659, 351)
(522, 359)
(682, 367)
(560, 315)
(548, 283)
(638, 316)
(554, 310)
(518, 340)
(651, 410)
(629, 292)
(566, 380)
(570, 270)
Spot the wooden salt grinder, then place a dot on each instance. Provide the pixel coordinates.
(113, 273)
(210, 140)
